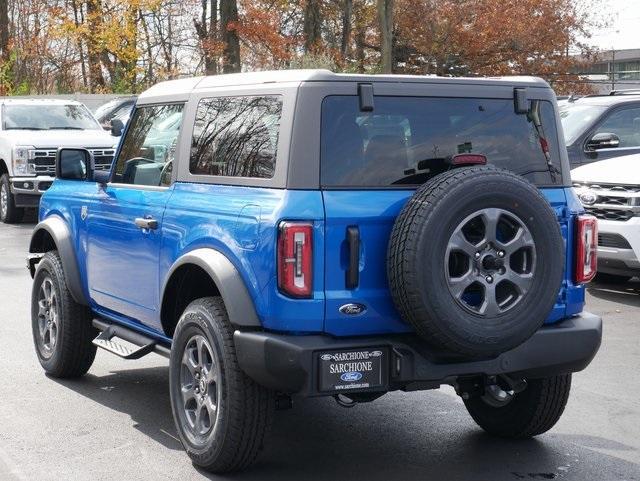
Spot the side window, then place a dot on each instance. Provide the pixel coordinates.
(149, 147)
(625, 124)
(236, 136)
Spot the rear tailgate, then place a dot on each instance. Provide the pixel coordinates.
(371, 163)
(372, 213)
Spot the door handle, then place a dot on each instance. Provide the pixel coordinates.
(146, 223)
(353, 271)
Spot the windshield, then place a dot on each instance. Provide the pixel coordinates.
(104, 108)
(47, 117)
(576, 118)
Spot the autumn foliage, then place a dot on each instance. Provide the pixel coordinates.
(127, 45)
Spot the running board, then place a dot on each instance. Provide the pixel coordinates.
(145, 344)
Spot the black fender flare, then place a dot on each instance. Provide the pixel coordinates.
(59, 231)
(225, 276)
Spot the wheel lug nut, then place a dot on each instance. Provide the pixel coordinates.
(489, 279)
(477, 255)
(500, 253)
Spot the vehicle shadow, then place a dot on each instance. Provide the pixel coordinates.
(143, 394)
(627, 293)
(414, 436)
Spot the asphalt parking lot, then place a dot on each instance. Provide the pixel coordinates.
(116, 423)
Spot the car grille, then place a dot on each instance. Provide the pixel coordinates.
(45, 159)
(617, 202)
(610, 214)
(613, 240)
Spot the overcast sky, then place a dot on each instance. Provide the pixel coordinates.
(624, 31)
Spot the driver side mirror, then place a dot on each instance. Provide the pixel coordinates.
(117, 127)
(604, 140)
(74, 164)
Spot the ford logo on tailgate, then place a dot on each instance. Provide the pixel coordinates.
(352, 309)
(351, 376)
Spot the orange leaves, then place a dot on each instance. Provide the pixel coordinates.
(490, 37)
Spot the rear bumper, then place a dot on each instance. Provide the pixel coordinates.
(290, 363)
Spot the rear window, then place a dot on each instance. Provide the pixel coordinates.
(407, 140)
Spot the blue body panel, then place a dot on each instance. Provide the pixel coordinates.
(374, 212)
(123, 268)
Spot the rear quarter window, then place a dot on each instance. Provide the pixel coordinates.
(405, 141)
(236, 136)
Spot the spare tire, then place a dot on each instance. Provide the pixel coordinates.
(475, 261)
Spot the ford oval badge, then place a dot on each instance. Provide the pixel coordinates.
(353, 309)
(588, 197)
(351, 376)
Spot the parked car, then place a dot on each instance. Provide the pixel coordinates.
(598, 127)
(305, 233)
(118, 108)
(610, 191)
(31, 130)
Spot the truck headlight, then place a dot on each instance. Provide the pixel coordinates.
(22, 159)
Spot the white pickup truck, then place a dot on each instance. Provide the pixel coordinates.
(31, 131)
(610, 190)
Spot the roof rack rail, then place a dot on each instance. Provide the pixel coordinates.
(625, 92)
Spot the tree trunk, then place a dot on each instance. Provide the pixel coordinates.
(4, 30)
(229, 35)
(385, 19)
(83, 68)
(312, 25)
(360, 56)
(94, 14)
(4, 41)
(347, 14)
(211, 60)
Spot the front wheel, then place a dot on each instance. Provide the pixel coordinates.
(9, 213)
(62, 330)
(521, 415)
(221, 415)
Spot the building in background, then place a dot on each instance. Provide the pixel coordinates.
(615, 70)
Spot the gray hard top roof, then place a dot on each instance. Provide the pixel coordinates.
(187, 85)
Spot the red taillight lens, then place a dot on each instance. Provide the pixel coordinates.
(586, 248)
(469, 159)
(295, 258)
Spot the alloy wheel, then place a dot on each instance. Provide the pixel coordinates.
(4, 201)
(48, 317)
(490, 262)
(200, 386)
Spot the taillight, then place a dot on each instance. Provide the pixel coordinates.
(469, 159)
(295, 258)
(586, 248)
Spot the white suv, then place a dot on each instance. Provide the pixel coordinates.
(31, 130)
(610, 190)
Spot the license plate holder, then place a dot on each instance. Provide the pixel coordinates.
(358, 369)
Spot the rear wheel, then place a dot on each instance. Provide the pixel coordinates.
(221, 415)
(9, 213)
(524, 414)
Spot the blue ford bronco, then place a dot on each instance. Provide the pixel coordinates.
(304, 233)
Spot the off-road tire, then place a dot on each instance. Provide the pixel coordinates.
(73, 353)
(11, 214)
(531, 412)
(416, 266)
(245, 409)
